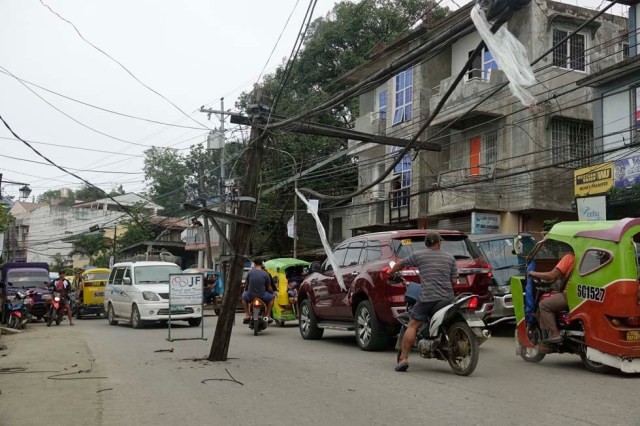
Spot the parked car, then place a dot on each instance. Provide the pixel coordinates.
(25, 276)
(371, 302)
(138, 292)
(499, 251)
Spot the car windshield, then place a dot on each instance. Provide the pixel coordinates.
(95, 277)
(22, 278)
(458, 245)
(153, 274)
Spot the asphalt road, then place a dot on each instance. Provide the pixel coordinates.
(281, 379)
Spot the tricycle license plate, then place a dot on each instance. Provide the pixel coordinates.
(633, 336)
(177, 309)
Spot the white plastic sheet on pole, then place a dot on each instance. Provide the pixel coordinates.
(312, 209)
(509, 54)
(291, 228)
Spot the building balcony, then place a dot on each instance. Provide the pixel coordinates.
(194, 239)
(467, 93)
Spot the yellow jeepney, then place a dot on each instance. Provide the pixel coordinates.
(89, 289)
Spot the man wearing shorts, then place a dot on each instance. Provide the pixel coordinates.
(257, 283)
(438, 273)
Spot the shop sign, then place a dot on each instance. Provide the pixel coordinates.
(593, 179)
(592, 208)
(485, 223)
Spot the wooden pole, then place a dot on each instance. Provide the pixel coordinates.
(240, 240)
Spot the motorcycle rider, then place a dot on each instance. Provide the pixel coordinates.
(258, 284)
(438, 273)
(63, 286)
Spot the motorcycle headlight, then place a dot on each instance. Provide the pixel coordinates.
(57, 298)
(150, 295)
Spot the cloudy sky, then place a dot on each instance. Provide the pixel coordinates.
(191, 52)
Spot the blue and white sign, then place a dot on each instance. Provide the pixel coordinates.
(185, 289)
(592, 208)
(627, 172)
(485, 223)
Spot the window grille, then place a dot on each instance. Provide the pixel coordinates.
(571, 140)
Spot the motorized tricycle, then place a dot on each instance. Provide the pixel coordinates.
(89, 292)
(287, 274)
(602, 322)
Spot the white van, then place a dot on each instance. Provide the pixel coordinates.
(138, 292)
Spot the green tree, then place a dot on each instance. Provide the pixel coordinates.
(6, 220)
(89, 245)
(55, 194)
(89, 193)
(141, 229)
(58, 263)
(167, 174)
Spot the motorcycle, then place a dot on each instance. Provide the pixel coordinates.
(57, 309)
(258, 320)
(14, 309)
(452, 334)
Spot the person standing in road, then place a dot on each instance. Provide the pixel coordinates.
(438, 274)
(258, 285)
(63, 286)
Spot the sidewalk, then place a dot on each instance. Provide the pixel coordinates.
(45, 365)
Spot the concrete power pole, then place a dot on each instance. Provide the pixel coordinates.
(207, 237)
(240, 240)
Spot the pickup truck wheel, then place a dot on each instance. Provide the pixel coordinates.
(369, 332)
(111, 316)
(194, 322)
(308, 323)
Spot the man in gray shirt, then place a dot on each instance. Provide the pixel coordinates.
(438, 274)
(258, 285)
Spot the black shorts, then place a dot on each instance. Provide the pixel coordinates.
(422, 311)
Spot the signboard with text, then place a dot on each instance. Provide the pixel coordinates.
(593, 179)
(485, 223)
(185, 289)
(592, 208)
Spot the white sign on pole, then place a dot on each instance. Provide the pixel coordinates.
(485, 223)
(592, 208)
(185, 289)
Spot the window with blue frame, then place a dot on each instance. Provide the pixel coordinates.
(482, 65)
(401, 184)
(404, 96)
(382, 104)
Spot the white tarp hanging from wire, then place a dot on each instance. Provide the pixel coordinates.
(312, 209)
(509, 54)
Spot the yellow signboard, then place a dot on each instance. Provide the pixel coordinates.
(593, 180)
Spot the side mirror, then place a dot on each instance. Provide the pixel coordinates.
(126, 281)
(316, 267)
(517, 245)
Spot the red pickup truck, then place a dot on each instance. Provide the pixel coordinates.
(370, 303)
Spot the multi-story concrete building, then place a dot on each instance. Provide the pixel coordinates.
(616, 118)
(500, 162)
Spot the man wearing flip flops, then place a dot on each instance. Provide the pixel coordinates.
(438, 274)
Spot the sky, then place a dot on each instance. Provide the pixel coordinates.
(191, 52)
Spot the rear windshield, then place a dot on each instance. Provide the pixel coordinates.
(155, 273)
(22, 278)
(458, 245)
(500, 253)
(95, 277)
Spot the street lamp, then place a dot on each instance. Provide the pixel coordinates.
(295, 200)
(25, 191)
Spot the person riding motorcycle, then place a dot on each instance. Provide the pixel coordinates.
(63, 286)
(258, 285)
(438, 273)
(557, 302)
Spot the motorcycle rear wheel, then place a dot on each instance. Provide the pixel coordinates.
(59, 318)
(464, 353)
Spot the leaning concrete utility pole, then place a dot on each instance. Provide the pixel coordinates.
(240, 237)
